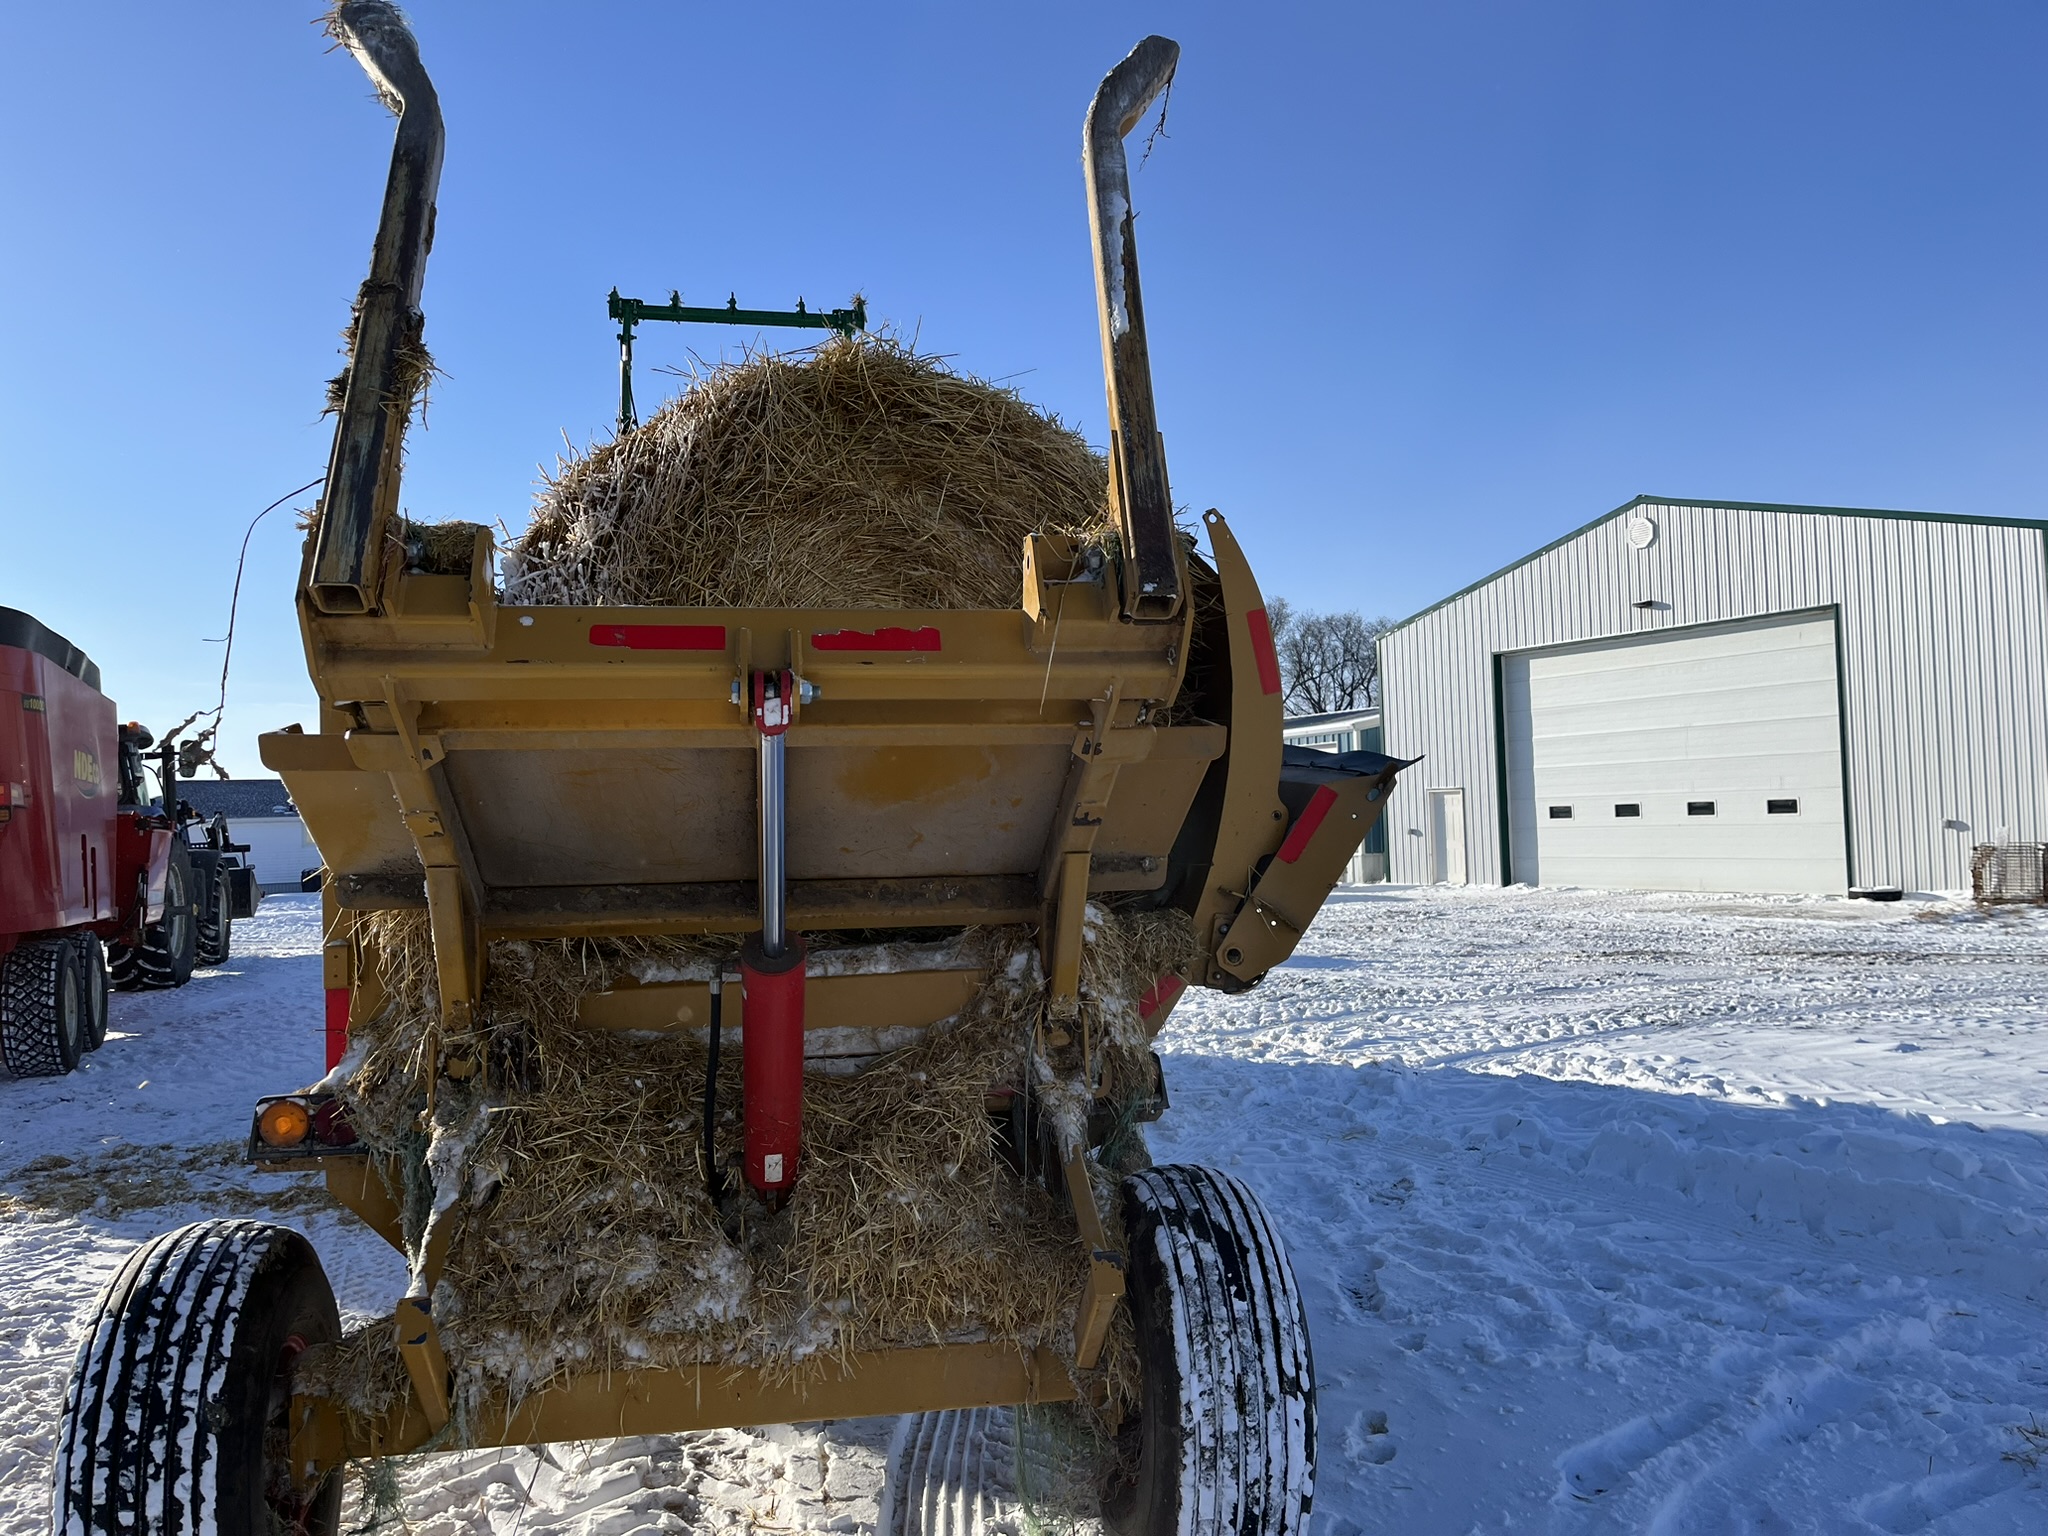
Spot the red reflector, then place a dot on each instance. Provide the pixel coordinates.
(1306, 823)
(1262, 650)
(337, 1025)
(1163, 992)
(660, 637)
(875, 640)
(331, 1125)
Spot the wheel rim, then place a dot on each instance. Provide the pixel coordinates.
(95, 995)
(292, 1509)
(69, 1011)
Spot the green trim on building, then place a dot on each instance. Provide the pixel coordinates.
(1842, 725)
(1500, 771)
(1732, 506)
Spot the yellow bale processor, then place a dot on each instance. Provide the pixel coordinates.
(792, 777)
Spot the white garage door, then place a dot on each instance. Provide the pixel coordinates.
(1700, 760)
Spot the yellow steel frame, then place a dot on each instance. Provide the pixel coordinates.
(709, 1396)
(444, 669)
(595, 1406)
(424, 677)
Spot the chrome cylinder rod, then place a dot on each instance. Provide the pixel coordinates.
(773, 862)
(772, 719)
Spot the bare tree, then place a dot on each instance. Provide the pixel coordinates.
(1328, 661)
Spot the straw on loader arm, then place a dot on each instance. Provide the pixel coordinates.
(377, 399)
(789, 775)
(1155, 574)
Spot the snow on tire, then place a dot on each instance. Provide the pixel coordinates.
(172, 1421)
(1224, 1439)
(43, 1008)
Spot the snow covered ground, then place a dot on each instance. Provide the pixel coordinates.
(1614, 1213)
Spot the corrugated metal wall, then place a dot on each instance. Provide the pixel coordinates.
(1944, 694)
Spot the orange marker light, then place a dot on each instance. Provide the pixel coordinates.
(284, 1123)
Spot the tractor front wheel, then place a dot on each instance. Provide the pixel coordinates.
(1224, 1439)
(169, 949)
(43, 1022)
(175, 1420)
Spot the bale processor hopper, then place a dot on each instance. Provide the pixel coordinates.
(799, 778)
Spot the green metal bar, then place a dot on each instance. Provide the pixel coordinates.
(630, 312)
(844, 321)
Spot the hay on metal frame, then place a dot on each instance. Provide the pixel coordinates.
(581, 1236)
(569, 1172)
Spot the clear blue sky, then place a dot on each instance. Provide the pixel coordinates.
(1427, 285)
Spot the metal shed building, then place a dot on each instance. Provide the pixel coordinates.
(1350, 730)
(260, 813)
(1689, 695)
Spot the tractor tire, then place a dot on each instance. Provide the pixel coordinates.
(92, 970)
(216, 921)
(174, 1420)
(42, 1008)
(1224, 1439)
(169, 949)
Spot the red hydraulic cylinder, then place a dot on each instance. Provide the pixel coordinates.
(337, 1025)
(772, 1064)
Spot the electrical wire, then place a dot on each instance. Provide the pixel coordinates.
(234, 607)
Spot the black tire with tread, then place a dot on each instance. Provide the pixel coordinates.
(169, 948)
(43, 1027)
(213, 932)
(1234, 1421)
(92, 970)
(172, 1420)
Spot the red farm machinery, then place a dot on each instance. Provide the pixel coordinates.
(99, 887)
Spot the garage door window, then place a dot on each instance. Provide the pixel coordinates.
(1628, 809)
(1782, 807)
(1560, 813)
(1699, 807)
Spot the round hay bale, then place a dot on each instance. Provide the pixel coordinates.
(854, 475)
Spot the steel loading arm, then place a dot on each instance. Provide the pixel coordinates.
(362, 472)
(1155, 571)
